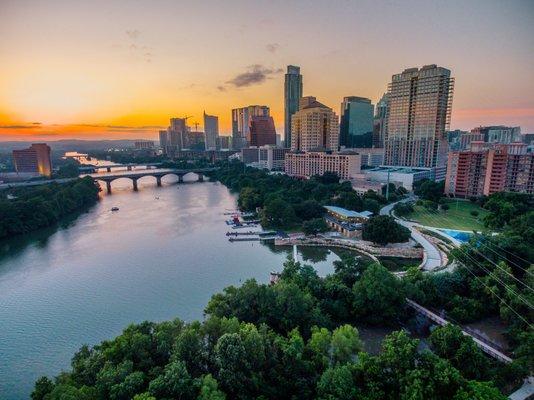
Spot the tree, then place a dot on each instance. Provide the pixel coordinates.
(309, 209)
(314, 226)
(278, 213)
(175, 382)
(444, 207)
(43, 386)
(209, 389)
(429, 190)
(479, 391)
(378, 295)
(327, 178)
(403, 209)
(345, 344)
(250, 198)
(383, 229)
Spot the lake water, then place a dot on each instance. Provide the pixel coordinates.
(154, 259)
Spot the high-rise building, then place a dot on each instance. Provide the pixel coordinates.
(489, 168)
(356, 126)
(241, 123)
(163, 140)
(225, 142)
(264, 157)
(418, 114)
(211, 130)
(379, 123)
(35, 159)
(314, 127)
(178, 134)
(292, 95)
(305, 165)
(261, 131)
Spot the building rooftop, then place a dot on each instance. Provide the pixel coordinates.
(348, 213)
(399, 170)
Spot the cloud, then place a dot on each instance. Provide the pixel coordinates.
(133, 34)
(221, 88)
(33, 125)
(255, 75)
(272, 47)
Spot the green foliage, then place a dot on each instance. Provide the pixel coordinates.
(430, 190)
(383, 229)
(403, 209)
(378, 295)
(474, 213)
(40, 206)
(314, 226)
(505, 206)
(287, 202)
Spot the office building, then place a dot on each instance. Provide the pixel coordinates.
(454, 139)
(163, 140)
(498, 134)
(265, 157)
(178, 134)
(144, 144)
(241, 123)
(379, 122)
(225, 142)
(305, 165)
(489, 168)
(418, 114)
(356, 126)
(292, 95)
(211, 131)
(314, 127)
(370, 157)
(261, 131)
(35, 159)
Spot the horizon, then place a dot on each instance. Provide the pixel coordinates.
(136, 68)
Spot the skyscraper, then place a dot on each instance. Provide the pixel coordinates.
(356, 127)
(292, 94)
(163, 140)
(261, 131)
(178, 138)
(241, 123)
(36, 159)
(418, 114)
(314, 127)
(211, 131)
(379, 125)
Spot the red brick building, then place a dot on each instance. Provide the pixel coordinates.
(487, 169)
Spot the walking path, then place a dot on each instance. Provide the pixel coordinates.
(432, 258)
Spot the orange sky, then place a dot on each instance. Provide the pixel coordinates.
(119, 69)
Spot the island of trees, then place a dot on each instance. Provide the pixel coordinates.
(25, 209)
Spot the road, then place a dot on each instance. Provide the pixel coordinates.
(433, 258)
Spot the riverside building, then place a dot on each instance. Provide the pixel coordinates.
(292, 95)
(35, 159)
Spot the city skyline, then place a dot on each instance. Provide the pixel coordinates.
(129, 75)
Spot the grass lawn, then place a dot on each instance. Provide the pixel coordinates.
(456, 217)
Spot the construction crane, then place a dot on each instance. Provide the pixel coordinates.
(186, 118)
(196, 126)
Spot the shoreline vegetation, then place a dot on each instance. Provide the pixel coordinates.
(27, 209)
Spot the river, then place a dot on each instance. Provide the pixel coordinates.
(161, 256)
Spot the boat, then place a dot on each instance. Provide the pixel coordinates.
(114, 208)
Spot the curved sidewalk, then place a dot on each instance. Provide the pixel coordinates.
(433, 257)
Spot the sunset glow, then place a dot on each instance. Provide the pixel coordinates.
(121, 69)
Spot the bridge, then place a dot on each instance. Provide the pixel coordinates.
(483, 345)
(109, 168)
(156, 173)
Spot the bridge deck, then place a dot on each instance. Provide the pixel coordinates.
(486, 348)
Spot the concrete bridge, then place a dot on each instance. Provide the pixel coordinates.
(156, 173)
(109, 168)
(484, 346)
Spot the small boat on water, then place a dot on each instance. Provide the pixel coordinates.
(114, 208)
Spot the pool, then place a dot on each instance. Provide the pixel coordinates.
(461, 236)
